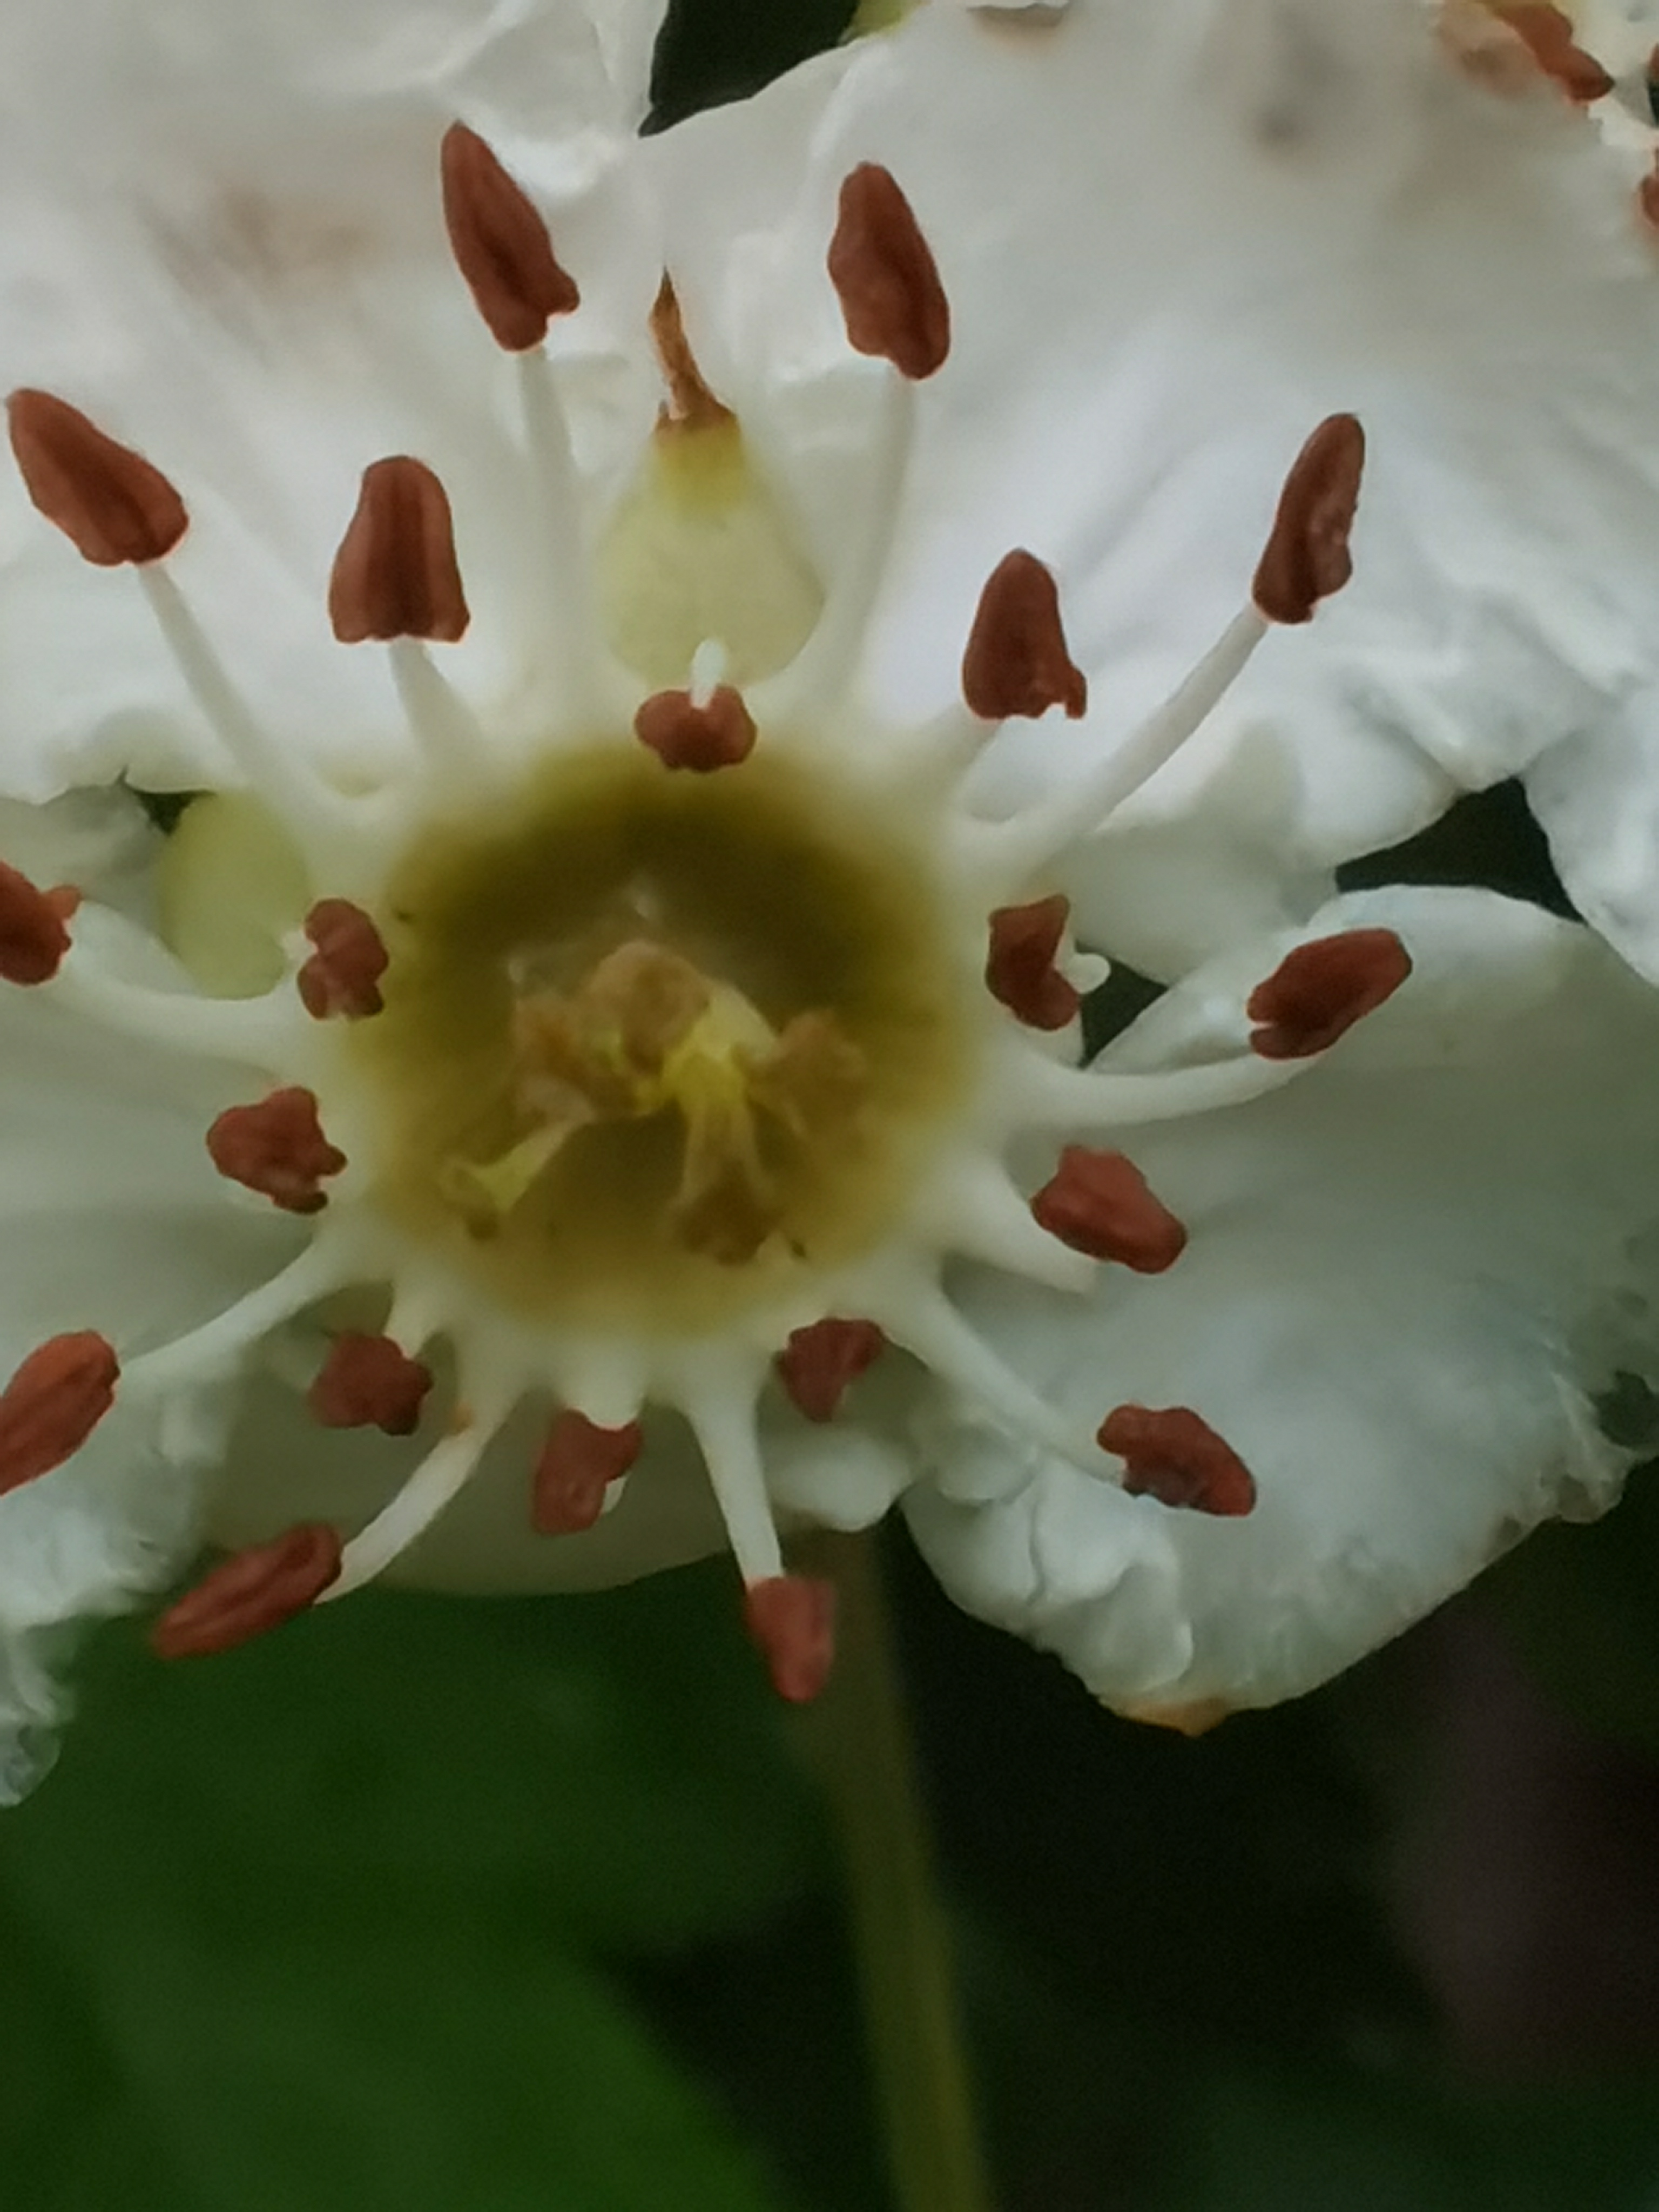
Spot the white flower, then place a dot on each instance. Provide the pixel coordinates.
(621, 977)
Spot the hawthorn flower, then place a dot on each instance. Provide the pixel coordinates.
(592, 1074)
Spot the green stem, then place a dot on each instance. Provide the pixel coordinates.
(858, 1737)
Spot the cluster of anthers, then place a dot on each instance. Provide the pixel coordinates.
(639, 1052)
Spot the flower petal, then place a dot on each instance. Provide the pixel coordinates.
(1409, 1278)
(1174, 238)
(102, 1170)
(238, 267)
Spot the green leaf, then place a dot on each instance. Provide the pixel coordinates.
(345, 2068)
(608, 1767)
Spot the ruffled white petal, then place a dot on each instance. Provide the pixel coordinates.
(1175, 234)
(1411, 1276)
(113, 1219)
(251, 282)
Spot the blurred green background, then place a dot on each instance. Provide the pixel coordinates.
(537, 1907)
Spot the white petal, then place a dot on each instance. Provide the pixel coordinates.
(1410, 1276)
(112, 1218)
(1175, 234)
(252, 283)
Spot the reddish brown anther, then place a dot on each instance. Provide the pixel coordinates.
(1548, 35)
(1317, 992)
(395, 574)
(343, 975)
(33, 937)
(1178, 1459)
(252, 1591)
(682, 734)
(793, 1619)
(110, 503)
(501, 245)
(1647, 197)
(369, 1382)
(578, 1464)
(1307, 556)
(1098, 1203)
(886, 277)
(1020, 971)
(1016, 661)
(277, 1148)
(820, 1363)
(53, 1403)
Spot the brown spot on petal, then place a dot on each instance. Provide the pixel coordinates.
(1098, 1203)
(277, 1148)
(501, 245)
(33, 937)
(820, 1362)
(1647, 197)
(886, 277)
(578, 1464)
(793, 1619)
(111, 504)
(343, 975)
(1020, 971)
(1548, 35)
(1177, 1458)
(53, 1403)
(369, 1382)
(395, 574)
(1016, 661)
(1307, 556)
(249, 1592)
(690, 405)
(1318, 992)
(684, 735)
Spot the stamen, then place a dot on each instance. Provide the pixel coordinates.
(926, 1324)
(1020, 972)
(441, 723)
(690, 405)
(721, 1408)
(305, 803)
(277, 1148)
(253, 1591)
(53, 1403)
(396, 574)
(342, 974)
(1307, 556)
(1044, 1094)
(1177, 1458)
(257, 1030)
(793, 1619)
(1647, 197)
(819, 1363)
(1016, 661)
(201, 1353)
(1548, 33)
(886, 277)
(501, 245)
(578, 1464)
(443, 1473)
(369, 1380)
(113, 505)
(1098, 1203)
(1016, 848)
(33, 937)
(684, 734)
(1318, 992)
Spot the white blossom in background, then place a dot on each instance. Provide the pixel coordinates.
(593, 1078)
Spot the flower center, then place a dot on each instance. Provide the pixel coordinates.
(653, 1043)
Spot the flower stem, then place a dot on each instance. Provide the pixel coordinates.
(858, 1739)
